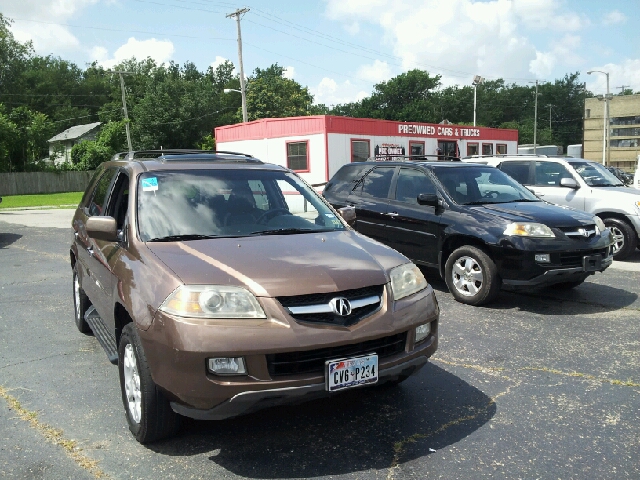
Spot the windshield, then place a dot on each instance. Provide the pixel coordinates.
(595, 175)
(477, 185)
(200, 204)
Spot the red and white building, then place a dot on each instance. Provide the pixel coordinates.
(317, 146)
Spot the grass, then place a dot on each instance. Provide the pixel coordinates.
(56, 200)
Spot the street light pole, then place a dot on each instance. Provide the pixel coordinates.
(237, 14)
(477, 80)
(535, 123)
(605, 119)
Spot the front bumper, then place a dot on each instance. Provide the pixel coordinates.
(177, 351)
(559, 275)
(250, 401)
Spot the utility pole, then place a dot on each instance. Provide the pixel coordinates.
(237, 14)
(535, 123)
(124, 104)
(623, 88)
(549, 105)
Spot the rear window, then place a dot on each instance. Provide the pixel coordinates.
(344, 180)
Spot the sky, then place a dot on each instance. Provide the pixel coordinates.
(340, 49)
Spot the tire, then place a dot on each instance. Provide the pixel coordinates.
(81, 304)
(148, 412)
(471, 276)
(625, 238)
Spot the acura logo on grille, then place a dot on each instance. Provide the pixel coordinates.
(340, 306)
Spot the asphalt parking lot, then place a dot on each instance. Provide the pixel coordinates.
(540, 384)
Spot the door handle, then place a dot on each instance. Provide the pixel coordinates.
(75, 234)
(392, 214)
(90, 251)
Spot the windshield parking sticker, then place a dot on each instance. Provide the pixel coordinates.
(149, 184)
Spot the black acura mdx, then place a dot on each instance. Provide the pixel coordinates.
(480, 228)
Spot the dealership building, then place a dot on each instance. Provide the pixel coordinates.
(317, 146)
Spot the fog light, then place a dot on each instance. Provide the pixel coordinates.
(227, 366)
(422, 332)
(543, 258)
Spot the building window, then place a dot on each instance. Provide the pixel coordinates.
(624, 120)
(472, 149)
(360, 151)
(298, 156)
(416, 148)
(501, 148)
(625, 132)
(632, 142)
(487, 149)
(587, 113)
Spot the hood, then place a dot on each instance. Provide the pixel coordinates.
(539, 212)
(282, 265)
(622, 197)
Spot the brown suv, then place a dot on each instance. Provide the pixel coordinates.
(221, 285)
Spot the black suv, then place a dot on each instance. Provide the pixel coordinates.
(475, 224)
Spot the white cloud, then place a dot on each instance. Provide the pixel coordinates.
(614, 17)
(329, 92)
(159, 50)
(459, 38)
(289, 72)
(563, 52)
(352, 28)
(376, 72)
(626, 73)
(219, 61)
(47, 38)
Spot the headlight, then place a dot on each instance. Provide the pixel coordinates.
(212, 301)
(600, 226)
(406, 280)
(528, 230)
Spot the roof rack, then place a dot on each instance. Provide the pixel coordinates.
(507, 155)
(153, 154)
(398, 157)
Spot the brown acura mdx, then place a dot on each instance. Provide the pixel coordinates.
(220, 285)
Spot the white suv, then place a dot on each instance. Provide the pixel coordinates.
(580, 184)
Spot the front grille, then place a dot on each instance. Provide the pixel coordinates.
(312, 361)
(584, 232)
(574, 259)
(323, 299)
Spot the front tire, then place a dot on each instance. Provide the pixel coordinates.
(471, 276)
(81, 304)
(148, 412)
(625, 238)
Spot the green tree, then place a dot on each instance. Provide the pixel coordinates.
(87, 155)
(271, 95)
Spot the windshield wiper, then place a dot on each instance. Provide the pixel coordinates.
(286, 231)
(523, 200)
(177, 238)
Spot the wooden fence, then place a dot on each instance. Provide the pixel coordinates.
(27, 183)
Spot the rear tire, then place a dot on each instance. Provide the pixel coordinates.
(625, 238)
(81, 304)
(471, 276)
(148, 412)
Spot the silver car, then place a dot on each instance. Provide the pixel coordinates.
(580, 184)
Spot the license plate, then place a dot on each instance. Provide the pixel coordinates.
(592, 263)
(351, 372)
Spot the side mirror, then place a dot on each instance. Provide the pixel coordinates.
(569, 183)
(430, 199)
(348, 214)
(102, 228)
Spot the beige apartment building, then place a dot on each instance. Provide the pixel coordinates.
(624, 131)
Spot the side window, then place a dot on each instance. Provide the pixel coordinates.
(519, 171)
(298, 156)
(416, 148)
(472, 149)
(259, 194)
(119, 201)
(378, 182)
(549, 174)
(501, 148)
(487, 149)
(97, 203)
(411, 183)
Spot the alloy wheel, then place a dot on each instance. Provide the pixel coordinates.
(467, 276)
(132, 384)
(618, 239)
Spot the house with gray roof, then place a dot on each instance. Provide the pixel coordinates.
(60, 146)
